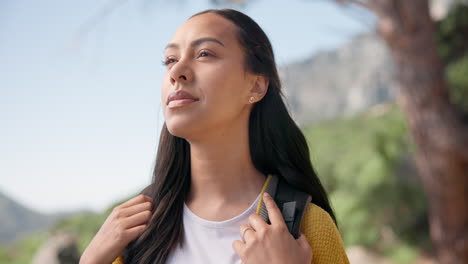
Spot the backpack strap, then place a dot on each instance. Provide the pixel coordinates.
(291, 202)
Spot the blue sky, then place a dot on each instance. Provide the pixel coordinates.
(80, 120)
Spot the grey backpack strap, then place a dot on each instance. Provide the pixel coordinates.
(291, 202)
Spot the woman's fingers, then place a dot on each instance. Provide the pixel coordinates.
(304, 244)
(246, 232)
(239, 248)
(136, 200)
(274, 214)
(133, 214)
(133, 232)
(276, 218)
(123, 225)
(136, 219)
(257, 223)
(135, 209)
(302, 241)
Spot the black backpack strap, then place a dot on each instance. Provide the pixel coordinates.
(291, 202)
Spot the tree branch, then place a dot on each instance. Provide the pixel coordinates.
(86, 27)
(364, 4)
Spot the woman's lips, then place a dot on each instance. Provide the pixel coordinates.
(180, 98)
(180, 102)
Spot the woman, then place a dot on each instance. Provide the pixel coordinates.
(226, 129)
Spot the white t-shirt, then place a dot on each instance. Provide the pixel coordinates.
(209, 242)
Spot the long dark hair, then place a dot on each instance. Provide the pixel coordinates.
(277, 146)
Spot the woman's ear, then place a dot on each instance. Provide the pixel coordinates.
(258, 89)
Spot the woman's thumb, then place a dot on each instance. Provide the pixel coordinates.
(302, 240)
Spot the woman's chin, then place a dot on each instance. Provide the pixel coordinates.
(179, 130)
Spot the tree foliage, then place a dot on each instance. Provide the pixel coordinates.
(452, 41)
(366, 168)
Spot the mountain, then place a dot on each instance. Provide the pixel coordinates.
(347, 80)
(339, 82)
(17, 220)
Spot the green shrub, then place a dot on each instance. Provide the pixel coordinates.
(364, 163)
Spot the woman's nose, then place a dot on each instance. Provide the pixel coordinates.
(180, 73)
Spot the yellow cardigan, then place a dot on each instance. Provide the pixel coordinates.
(321, 232)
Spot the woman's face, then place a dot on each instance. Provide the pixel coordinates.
(206, 87)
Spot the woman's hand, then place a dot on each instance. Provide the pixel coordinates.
(271, 244)
(123, 225)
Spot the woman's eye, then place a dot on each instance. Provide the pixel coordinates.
(204, 54)
(168, 61)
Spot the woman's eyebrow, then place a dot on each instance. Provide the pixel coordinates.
(195, 43)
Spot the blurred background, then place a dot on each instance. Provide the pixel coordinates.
(80, 115)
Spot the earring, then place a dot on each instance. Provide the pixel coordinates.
(251, 99)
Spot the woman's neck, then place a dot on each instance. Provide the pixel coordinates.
(222, 172)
